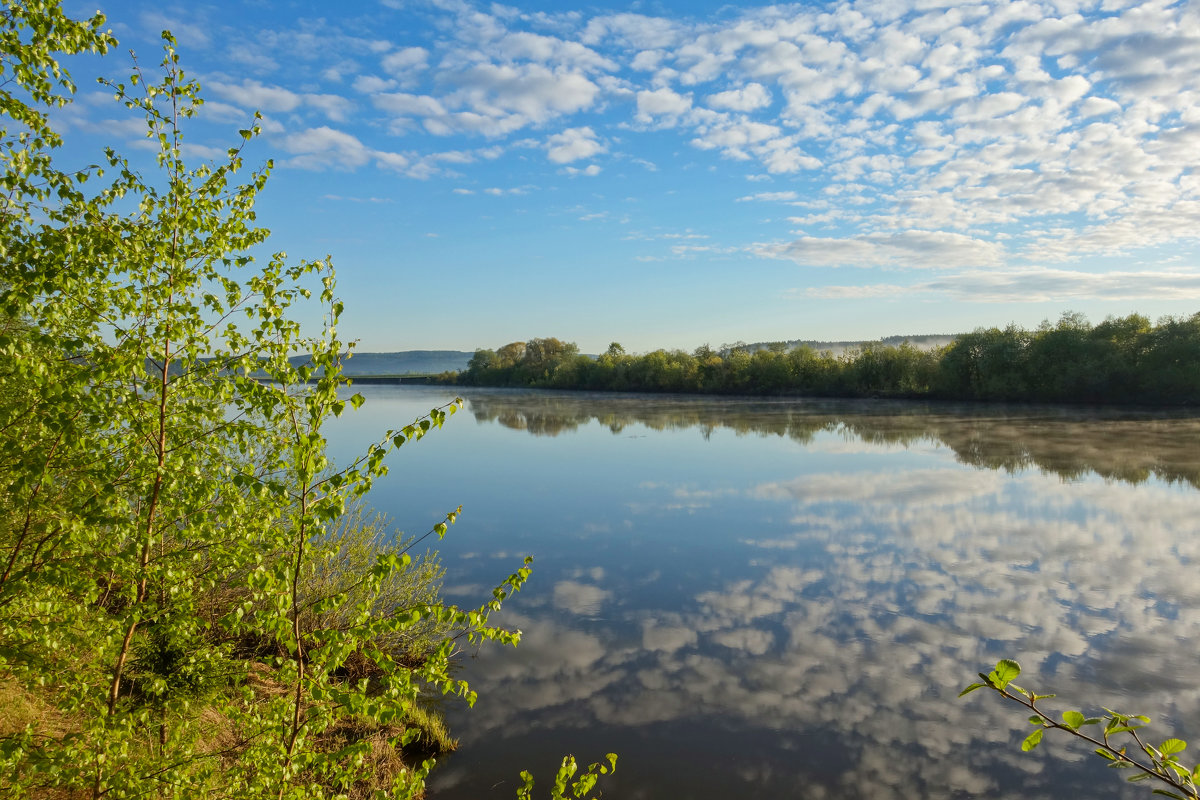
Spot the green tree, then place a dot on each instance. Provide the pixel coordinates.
(482, 369)
(770, 369)
(510, 354)
(1061, 362)
(482, 360)
(166, 511)
(987, 364)
(1170, 367)
(543, 355)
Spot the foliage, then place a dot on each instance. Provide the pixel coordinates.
(354, 544)
(181, 587)
(1111, 735)
(1121, 360)
(563, 784)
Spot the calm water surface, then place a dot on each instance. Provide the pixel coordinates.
(767, 599)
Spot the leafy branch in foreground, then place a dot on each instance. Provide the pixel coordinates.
(186, 607)
(579, 787)
(1111, 738)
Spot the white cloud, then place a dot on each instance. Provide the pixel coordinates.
(782, 156)
(750, 97)
(494, 100)
(261, 63)
(531, 90)
(667, 639)
(404, 62)
(332, 106)
(661, 103)
(647, 60)
(917, 249)
(1099, 106)
(573, 144)
(1063, 129)
(192, 150)
(1034, 285)
(224, 112)
(373, 84)
(734, 135)
(552, 50)
(185, 31)
(1070, 89)
(751, 640)
(255, 95)
(325, 148)
(580, 598)
(638, 31)
(989, 107)
(590, 171)
(771, 197)
(402, 103)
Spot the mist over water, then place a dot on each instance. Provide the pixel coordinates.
(782, 598)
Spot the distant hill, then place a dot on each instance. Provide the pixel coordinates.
(405, 362)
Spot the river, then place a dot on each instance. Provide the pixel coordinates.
(782, 598)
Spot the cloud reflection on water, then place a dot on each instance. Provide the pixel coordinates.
(858, 619)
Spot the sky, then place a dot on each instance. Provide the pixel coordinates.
(672, 174)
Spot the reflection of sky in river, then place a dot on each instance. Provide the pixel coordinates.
(793, 615)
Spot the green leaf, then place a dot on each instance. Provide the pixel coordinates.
(1032, 740)
(1006, 670)
(1172, 746)
(970, 689)
(1073, 719)
(1168, 794)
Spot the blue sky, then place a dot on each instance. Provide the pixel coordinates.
(669, 174)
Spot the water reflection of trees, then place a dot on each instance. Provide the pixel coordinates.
(1116, 444)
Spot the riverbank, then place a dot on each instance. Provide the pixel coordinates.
(1121, 361)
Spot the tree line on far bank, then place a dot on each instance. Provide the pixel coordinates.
(1120, 360)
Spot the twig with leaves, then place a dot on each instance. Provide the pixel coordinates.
(563, 784)
(1160, 763)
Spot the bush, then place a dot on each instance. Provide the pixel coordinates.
(186, 607)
